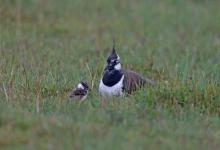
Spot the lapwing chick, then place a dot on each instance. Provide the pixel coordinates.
(117, 81)
(80, 92)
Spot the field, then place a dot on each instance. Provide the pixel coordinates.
(47, 47)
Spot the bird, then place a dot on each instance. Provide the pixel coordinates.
(117, 81)
(80, 92)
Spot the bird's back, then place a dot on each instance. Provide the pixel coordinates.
(134, 81)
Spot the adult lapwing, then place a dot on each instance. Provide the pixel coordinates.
(117, 81)
(80, 92)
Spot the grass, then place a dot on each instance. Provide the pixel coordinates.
(47, 47)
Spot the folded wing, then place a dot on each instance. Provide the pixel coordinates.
(134, 81)
(78, 92)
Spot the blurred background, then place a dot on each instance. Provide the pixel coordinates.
(166, 34)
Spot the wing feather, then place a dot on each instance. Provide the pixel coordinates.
(78, 92)
(134, 81)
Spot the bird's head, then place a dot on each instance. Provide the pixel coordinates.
(113, 61)
(83, 85)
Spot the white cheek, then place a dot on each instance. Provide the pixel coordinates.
(118, 66)
(118, 58)
(80, 86)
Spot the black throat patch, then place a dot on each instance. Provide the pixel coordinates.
(112, 77)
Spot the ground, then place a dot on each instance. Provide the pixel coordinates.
(47, 47)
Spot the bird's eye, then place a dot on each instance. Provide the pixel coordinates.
(116, 61)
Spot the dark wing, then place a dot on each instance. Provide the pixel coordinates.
(78, 92)
(134, 81)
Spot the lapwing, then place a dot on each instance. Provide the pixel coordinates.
(117, 81)
(80, 92)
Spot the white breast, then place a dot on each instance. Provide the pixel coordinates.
(115, 90)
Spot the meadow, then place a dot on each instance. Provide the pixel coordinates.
(47, 47)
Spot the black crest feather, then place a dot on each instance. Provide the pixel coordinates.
(113, 48)
(113, 55)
